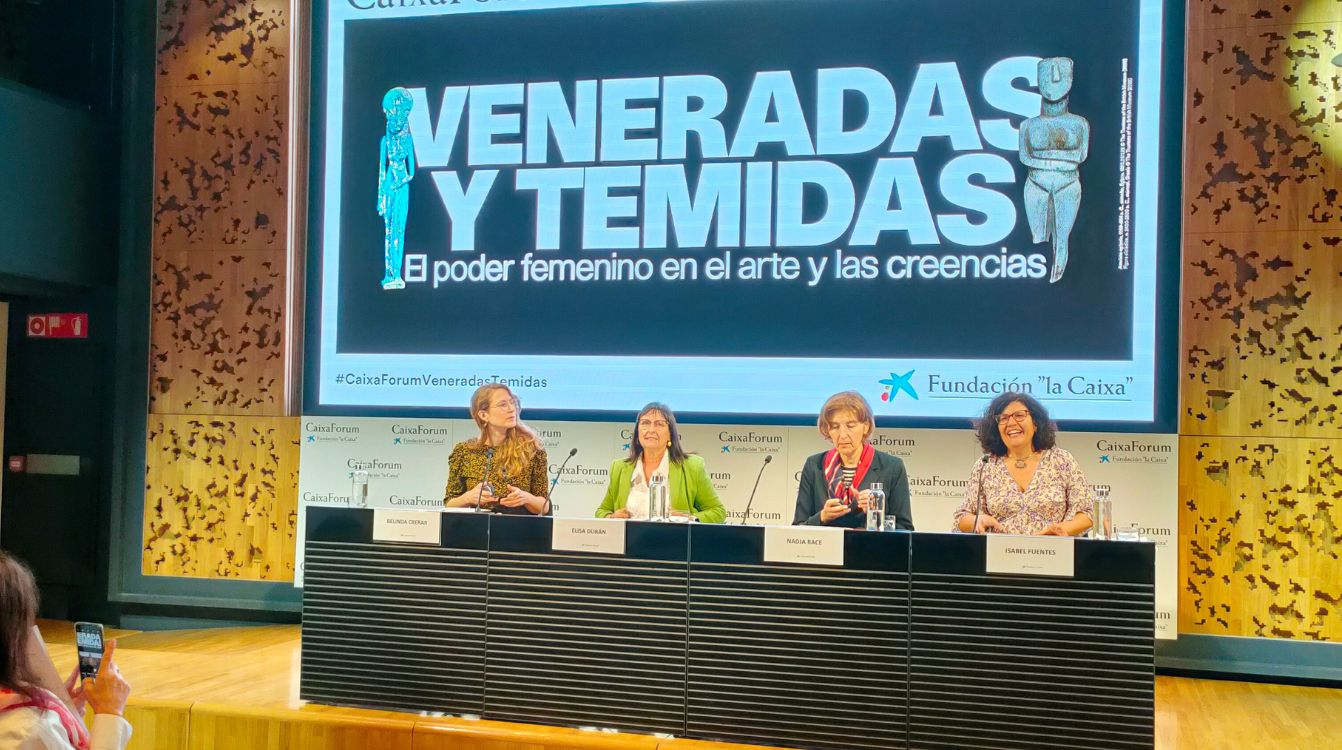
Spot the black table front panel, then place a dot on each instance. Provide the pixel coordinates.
(583, 639)
(393, 626)
(691, 633)
(1031, 662)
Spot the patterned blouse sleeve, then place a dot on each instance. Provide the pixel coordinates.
(1080, 495)
(454, 466)
(540, 474)
(971, 497)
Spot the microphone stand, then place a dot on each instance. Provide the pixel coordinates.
(751, 501)
(549, 501)
(978, 512)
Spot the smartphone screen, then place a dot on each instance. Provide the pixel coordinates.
(89, 644)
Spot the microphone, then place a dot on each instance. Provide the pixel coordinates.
(746, 515)
(978, 513)
(549, 501)
(484, 480)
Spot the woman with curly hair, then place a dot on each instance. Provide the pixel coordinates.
(1025, 483)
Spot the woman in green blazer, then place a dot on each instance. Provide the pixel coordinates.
(654, 451)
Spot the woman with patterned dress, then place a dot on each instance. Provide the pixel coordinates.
(1025, 484)
(505, 470)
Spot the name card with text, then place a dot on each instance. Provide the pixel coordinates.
(407, 526)
(1032, 555)
(599, 535)
(805, 545)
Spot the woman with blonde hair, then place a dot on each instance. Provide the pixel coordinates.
(505, 469)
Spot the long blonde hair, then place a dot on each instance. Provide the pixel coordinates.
(518, 447)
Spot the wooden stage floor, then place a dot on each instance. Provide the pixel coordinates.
(237, 689)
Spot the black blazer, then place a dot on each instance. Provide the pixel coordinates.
(885, 468)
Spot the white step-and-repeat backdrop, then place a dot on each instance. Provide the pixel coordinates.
(406, 460)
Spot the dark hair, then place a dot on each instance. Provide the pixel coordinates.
(677, 453)
(18, 608)
(1045, 432)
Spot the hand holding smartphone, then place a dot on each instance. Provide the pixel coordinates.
(89, 645)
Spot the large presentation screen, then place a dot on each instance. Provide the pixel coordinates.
(739, 207)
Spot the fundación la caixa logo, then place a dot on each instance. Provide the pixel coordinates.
(1133, 451)
(895, 384)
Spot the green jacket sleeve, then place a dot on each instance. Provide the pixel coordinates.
(703, 498)
(611, 502)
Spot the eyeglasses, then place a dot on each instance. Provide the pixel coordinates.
(1019, 417)
(505, 403)
(660, 424)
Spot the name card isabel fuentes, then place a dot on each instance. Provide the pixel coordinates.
(1032, 555)
(805, 545)
(599, 535)
(407, 526)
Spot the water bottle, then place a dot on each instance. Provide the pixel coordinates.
(876, 508)
(657, 498)
(1104, 515)
(358, 493)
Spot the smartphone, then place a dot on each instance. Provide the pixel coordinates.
(89, 645)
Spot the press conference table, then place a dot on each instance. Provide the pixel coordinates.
(910, 643)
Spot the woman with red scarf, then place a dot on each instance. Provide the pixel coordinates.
(33, 717)
(836, 484)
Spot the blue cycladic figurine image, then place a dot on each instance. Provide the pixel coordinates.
(1052, 147)
(395, 170)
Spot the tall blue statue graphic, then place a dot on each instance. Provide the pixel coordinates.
(395, 170)
(1052, 146)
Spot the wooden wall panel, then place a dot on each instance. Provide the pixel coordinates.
(223, 41)
(229, 727)
(220, 497)
(1259, 488)
(1262, 334)
(1262, 537)
(217, 333)
(1263, 129)
(222, 460)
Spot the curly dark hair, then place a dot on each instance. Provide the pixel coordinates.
(1045, 431)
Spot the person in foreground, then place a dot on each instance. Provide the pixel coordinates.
(33, 717)
(654, 451)
(836, 484)
(505, 469)
(1025, 484)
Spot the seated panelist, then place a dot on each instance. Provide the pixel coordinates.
(655, 451)
(505, 469)
(1025, 484)
(836, 484)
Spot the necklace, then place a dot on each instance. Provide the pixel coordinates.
(1021, 462)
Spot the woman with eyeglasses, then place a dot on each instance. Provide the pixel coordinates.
(655, 451)
(1025, 484)
(505, 469)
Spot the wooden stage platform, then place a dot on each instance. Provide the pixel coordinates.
(237, 689)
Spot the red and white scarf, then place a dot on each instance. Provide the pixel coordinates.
(834, 474)
(43, 700)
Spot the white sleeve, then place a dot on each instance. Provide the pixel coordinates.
(109, 732)
(25, 729)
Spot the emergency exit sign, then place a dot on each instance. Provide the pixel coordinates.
(58, 326)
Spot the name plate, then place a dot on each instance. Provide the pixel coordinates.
(599, 535)
(804, 545)
(1032, 555)
(407, 526)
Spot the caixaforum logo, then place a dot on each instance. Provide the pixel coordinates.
(418, 433)
(1133, 451)
(894, 444)
(749, 442)
(330, 432)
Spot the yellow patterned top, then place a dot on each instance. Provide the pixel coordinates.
(466, 467)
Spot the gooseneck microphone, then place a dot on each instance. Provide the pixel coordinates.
(978, 513)
(746, 515)
(484, 480)
(549, 501)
